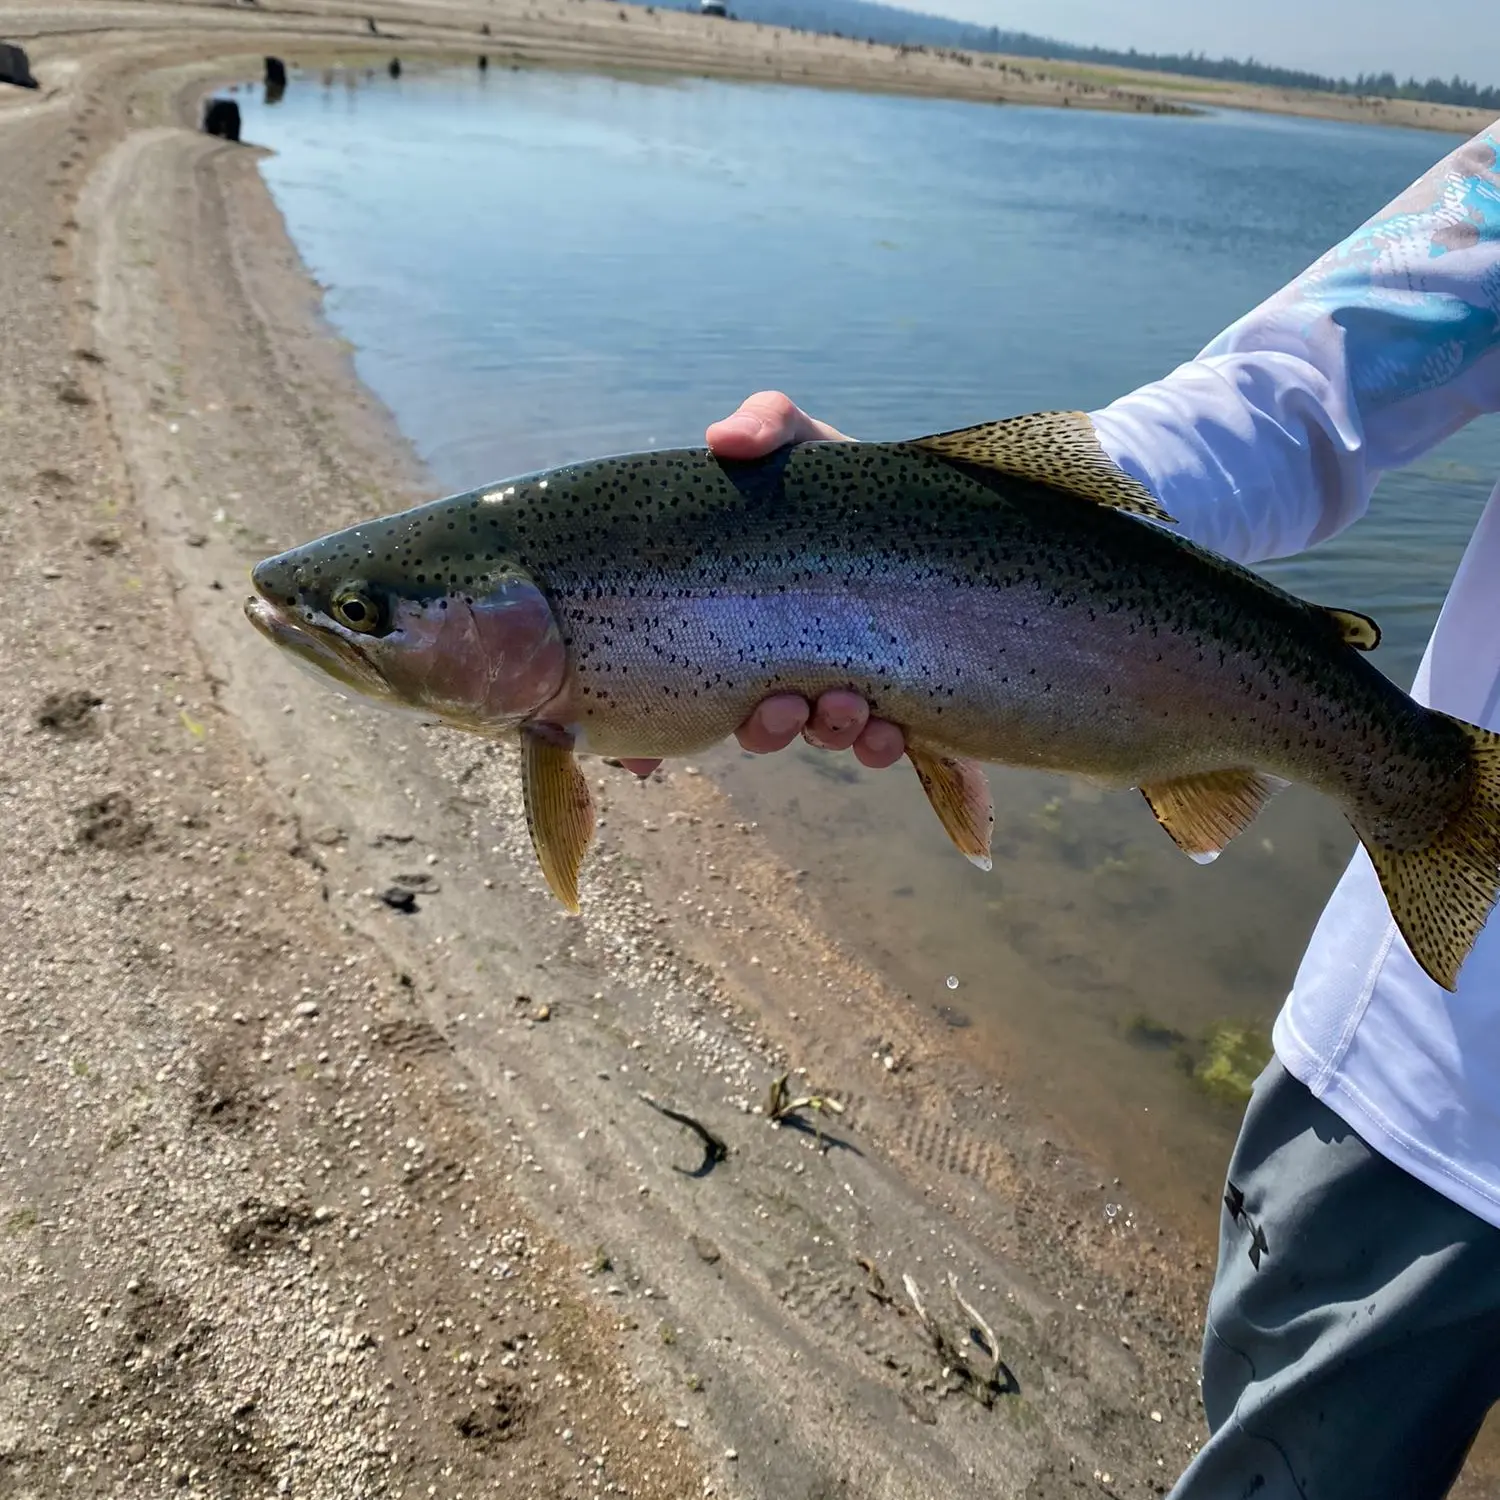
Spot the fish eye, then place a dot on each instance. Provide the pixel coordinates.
(355, 607)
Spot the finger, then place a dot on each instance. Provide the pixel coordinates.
(837, 721)
(765, 422)
(774, 724)
(641, 768)
(882, 744)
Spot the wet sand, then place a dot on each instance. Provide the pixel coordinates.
(305, 1191)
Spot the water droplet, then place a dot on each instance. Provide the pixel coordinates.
(953, 981)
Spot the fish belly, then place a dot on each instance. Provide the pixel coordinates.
(1003, 675)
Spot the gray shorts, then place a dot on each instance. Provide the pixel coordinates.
(1353, 1339)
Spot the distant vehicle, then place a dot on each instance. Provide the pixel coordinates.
(713, 8)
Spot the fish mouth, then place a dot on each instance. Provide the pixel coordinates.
(324, 650)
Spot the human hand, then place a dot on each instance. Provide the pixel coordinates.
(840, 720)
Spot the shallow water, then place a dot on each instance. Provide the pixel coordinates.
(536, 267)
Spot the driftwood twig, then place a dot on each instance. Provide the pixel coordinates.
(715, 1148)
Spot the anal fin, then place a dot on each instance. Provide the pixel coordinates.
(1204, 812)
(559, 809)
(960, 796)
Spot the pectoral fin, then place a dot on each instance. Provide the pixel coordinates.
(559, 809)
(960, 796)
(1202, 813)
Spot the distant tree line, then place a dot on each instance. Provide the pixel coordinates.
(870, 21)
(1453, 90)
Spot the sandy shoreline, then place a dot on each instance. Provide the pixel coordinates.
(309, 1194)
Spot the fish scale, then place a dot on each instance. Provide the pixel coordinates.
(1003, 593)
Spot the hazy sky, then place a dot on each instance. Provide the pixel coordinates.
(1328, 36)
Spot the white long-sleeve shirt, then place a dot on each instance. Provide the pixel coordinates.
(1271, 441)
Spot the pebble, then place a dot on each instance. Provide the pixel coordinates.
(307, 1008)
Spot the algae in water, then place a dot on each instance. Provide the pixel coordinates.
(1234, 1053)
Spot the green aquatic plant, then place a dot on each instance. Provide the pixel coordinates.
(1233, 1055)
(1049, 814)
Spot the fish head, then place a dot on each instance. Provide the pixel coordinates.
(426, 611)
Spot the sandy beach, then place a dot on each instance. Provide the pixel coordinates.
(302, 1192)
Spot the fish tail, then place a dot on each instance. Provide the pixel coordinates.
(1441, 895)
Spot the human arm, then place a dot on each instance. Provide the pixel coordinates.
(1273, 438)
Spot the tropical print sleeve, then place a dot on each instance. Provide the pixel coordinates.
(1273, 438)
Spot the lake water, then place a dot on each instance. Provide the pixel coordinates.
(536, 267)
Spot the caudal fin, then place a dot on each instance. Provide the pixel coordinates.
(1442, 895)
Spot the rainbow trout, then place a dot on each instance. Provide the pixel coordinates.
(995, 591)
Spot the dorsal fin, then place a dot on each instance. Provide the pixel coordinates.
(1358, 630)
(1056, 448)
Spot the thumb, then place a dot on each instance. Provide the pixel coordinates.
(763, 423)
